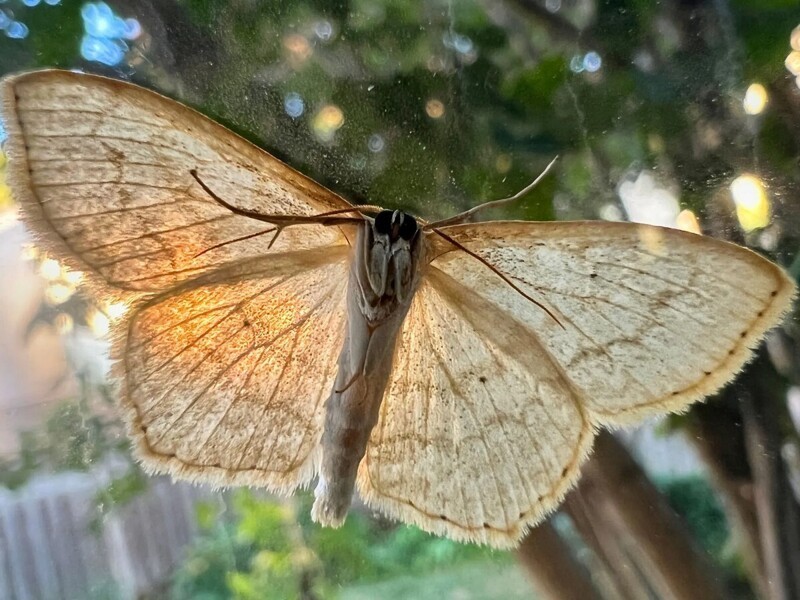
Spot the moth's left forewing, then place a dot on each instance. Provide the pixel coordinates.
(652, 319)
(102, 171)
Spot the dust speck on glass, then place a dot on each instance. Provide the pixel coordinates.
(681, 115)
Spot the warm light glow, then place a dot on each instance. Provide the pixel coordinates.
(687, 221)
(298, 47)
(30, 252)
(647, 200)
(115, 310)
(58, 293)
(794, 38)
(50, 269)
(8, 213)
(327, 121)
(752, 204)
(653, 240)
(434, 108)
(755, 99)
(792, 62)
(63, 323)
(98, 323)
(72, 277)
(503, 163)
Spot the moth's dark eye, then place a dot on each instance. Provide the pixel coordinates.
(383, 222)
(408, 227)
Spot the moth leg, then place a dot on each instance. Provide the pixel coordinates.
(239, 239)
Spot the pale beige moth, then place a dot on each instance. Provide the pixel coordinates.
(454, 373)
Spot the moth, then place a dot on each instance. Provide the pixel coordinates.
(454, 372)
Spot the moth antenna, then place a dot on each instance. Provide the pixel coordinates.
(327, 218)
(497, 272)
(467, 214)
(239, 239)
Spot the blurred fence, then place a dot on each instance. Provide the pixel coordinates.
(49, 549)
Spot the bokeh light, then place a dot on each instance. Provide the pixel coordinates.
(293, 105)
(50, 269)
(105, 34)
(375, 143)
(57, 293)
(8, 213)
(16, 30)
(592, 62)
(646, 201)
(98, 322)
(794, 38)
(323, 30)
(792, 62)
(107, 52)
(72, 277)
(115, 310)
(298, 48)
(687, 221)
(327, 122)
(553, 5)
(64, 323)
(434, 108)
(752, 203)
(755, 99)
(503, 163)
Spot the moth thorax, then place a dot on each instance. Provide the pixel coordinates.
(389, 259)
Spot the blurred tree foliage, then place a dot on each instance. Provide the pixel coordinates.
(266, 549)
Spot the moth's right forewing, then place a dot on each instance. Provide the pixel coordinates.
(650, 319)
(101, 170)
(225, 377)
